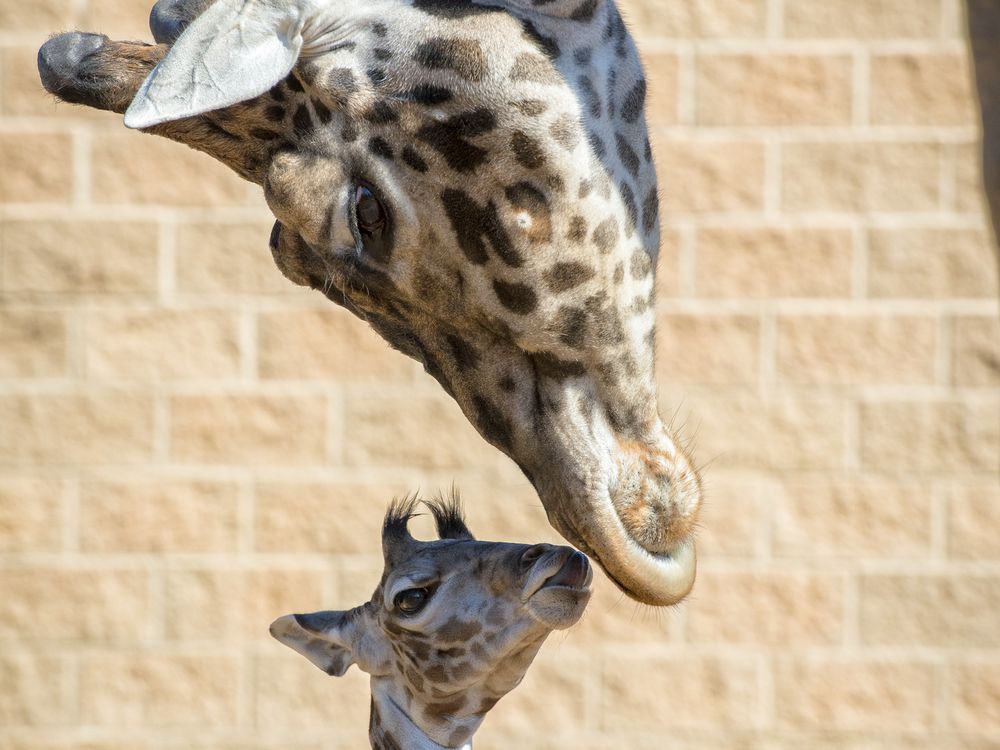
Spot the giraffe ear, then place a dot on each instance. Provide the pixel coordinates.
(324, 638)
(234, 51)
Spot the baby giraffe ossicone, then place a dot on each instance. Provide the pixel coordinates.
(452, 627)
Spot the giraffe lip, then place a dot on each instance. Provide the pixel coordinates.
(575, 573)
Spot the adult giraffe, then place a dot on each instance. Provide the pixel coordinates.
(475, 180)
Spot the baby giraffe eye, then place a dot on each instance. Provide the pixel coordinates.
(411, 601)
(369, 211)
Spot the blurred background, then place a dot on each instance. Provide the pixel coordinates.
(191, 446)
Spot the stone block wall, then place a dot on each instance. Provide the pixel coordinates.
(190, 446)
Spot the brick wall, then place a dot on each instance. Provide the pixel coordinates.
(190, 446)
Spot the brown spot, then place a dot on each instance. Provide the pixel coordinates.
(463, 56)
(518, 298)
(495, 616)
(571, 325)
(577, 229)
(565, 131)
(532, 201)
(606, 235)
(444, 708)
(641, 265)
(535, 68)
(527, 151)
(531, 107)
(567, 275)
(458, 630)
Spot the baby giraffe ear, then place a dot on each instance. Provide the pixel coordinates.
(234, 51)
(324, 638)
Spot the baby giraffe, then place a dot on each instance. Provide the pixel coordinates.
(451, 628)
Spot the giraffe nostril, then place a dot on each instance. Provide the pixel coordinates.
(533, 554)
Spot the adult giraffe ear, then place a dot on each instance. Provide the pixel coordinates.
(234, 51)
(324, 638)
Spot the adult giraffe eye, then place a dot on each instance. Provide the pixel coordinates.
(369, 211)
(411, 601)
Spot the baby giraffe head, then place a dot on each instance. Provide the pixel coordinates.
(451, 628)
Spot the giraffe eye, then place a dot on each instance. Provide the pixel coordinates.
(411, 601)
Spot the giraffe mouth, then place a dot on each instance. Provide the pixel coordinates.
(575, 573)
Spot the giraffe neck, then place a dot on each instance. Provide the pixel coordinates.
(390, 727)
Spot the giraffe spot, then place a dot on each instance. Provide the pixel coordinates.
(628, 156)
(463, 354)
(413, 160)
(518, 298)
(531, 107)
(634, 101)
(450, 653)
(527, 151)
(463, 56)
(436, 673)
(497, 429)
(584, 11)
(444, 708)
(597, 144)
(380, 147)
(619, 275)
(381, 113)
(486, 704)
(585, 187)
(380, 53)
(606, 235)
(567, 275)
(571, 326)
(302, 121)
(496, 615)
(631, 211)
(472, 223)
(294, 83)
(534, 68)
(461, 671)
(611, 89)
(376, 76)
(428, 94)
(389, 742)
(590, 95)
(323, 112)
(379, 29)
(507, 384)
(583, 55)
(277, 93)
(450, 8)
(548, 365)
(450, 138)
(263, 134)
(546, 44)
(533, 204)
(350, 132)
(275, 113)
(650, 209)
(342, 80)
(577, 230)
(415, 678)
(565, 131)
(641, 265)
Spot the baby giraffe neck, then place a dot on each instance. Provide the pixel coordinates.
(390, 727)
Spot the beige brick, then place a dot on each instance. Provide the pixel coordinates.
(504, 507)
(786, 433)
(931, 263)
(730, 516)
(874, 19)
(152, 515)
(662, 75)
(78, 256)
(310, 517)
(668, 264)
(612, 619)
(717, 176)
(94, 427)
(357, 578)
(903, 177)
(772, 89)
(248, 429)
(844, 350)
(159, 690)
(68, 743)
(30, 515)
(736, 262)
(871, 518)
(119, 19)
(136, 168)
(39, 15)
(767, 608)
(233, 605)
(974, 521)
(975, 697)
(717, 349)
(931, 436)
(534, 703)
(970, 192)
(977, 351)
(716, 693)
(328, 344)
(695, 18)
(37, 168)
(930, 89)
(84, 605)
(930, 610)
(33, 343)
(292, 694)
(32, 693)
(162, 344)
(830, 694)
(393, 430)
(229, 258)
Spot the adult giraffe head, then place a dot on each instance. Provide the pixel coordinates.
(476, 182)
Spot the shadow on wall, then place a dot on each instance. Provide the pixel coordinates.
(984, 33)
